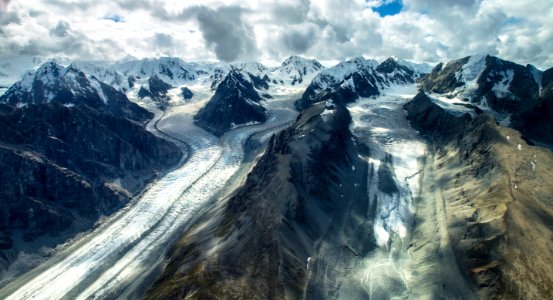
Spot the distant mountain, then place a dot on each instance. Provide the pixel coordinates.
(488, 81)
(105, 73)
(169, 69)
(349, 80)
(360, 78)
(156, 89)
(236, 102)
(398, 71)
(70, 86)
(296, 70)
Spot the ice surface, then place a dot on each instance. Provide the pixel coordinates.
(381, 123)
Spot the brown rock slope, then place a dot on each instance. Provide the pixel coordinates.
(498, 200)
(256, 244)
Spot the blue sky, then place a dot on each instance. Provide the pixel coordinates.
(389, 9)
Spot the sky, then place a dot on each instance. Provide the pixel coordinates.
(271, 30)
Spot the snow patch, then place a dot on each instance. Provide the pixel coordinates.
(501, 88)
(472, 70)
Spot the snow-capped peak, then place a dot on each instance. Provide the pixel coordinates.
(52, 82)
(422, 68)
(253, 68)
(170, 69)
(103, 73)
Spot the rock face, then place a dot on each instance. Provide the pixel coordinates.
(535, 123)
(68, 157)
(497, 199)
(186, 93)
(359, 77)
(503, 86)
(261, 239)
(398, 71)
(235, 102)
(348, 81)
(157, 90)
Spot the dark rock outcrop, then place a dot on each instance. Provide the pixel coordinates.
(157, 90)
(186, 93)
(74, 150)
(235, 102)
(443, 79)
(396, 73)
(536, 122)
(262, 238)
(351, 79)
(504, 86)
(64, 167)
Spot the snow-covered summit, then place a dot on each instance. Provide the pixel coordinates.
(399, 71)
(52, 82)
(421, 68)
(491, 83)
(13, 68)
(104, 73)
(170, 69)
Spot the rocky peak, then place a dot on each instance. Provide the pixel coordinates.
(491, 82)
(71, 87)
(234, 103)
(347, 80)
(299, 63)
(170, 69)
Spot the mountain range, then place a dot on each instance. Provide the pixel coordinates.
(361, 180)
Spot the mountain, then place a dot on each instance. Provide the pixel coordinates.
(488, 81)
(396, 180)
(235, 102)
(499, 207)
(105, 73)
(156, 89)
(12, 69)
(350, 79)
(398, 71)
(535, 123)
(72, 150)
(70, 86)
(258, 245)
(360, 78)
(169, 69)
(296, 70)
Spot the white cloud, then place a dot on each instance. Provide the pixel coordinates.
(270, 30)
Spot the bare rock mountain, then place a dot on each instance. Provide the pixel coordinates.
(236, 102)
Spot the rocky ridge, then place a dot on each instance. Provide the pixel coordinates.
(499, 213)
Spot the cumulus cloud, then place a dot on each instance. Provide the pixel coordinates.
(300, 38)
(270, 30)
(225, 31)
(3, 4)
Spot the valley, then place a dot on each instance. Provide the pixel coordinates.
(363, 180)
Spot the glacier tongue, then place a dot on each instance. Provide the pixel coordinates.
(394, 174)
